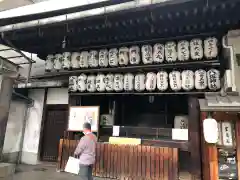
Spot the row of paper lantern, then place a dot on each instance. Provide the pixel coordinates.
(161, 81)
(171, 52)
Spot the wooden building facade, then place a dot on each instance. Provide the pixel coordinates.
(147, 114)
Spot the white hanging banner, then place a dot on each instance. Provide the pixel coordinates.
(227, 134)
(80, 114)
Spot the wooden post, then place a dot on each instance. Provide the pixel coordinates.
(194, 137)
(238, 145)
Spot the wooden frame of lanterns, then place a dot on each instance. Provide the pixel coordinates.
(168, 67)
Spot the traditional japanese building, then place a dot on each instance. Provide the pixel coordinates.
(154, 78)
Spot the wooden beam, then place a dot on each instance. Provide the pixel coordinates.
(194, 137)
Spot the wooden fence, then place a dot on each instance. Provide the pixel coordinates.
(127, 162)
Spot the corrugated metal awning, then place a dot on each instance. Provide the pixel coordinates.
(15, 56)
(220, 103)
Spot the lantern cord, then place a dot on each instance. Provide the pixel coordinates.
(209, 114)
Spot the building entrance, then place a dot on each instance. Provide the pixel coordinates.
(54, 126)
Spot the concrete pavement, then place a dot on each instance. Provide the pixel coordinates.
(24, 172)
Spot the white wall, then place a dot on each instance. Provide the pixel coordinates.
(31, 139)
(38, 68)
(14, 130)
(33, 128)
(9, 4)
(57, 96)
(30, 151)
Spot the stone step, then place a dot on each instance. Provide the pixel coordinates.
(6, 170)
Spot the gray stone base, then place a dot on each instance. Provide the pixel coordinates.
(6, 170)
(29, 158)
(10, 157)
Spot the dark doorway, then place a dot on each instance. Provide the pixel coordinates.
(55, 124)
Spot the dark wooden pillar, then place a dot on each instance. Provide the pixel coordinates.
(194, 137)
(238, 144)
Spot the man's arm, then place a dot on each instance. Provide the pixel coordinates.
(80, 147)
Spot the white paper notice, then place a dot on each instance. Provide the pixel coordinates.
(116, 130)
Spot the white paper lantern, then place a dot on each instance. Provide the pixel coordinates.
(118, 82)
(83, 62)
(49, 63)
(113, 57)
(175, 80)
(213, 78)
(66, 60)
(103, 58)
(151, 81)
(147, 54)
(196, 49)
(187, 80)
(58, 62)
(82, 83)
(227, 134)
(139, 84)
(100, 83)
(210, 48)
(134, 54)
(72, 86)
(128, 82)
(181, 122)
(123, 56)
(183, 50)
(91, 83)
(93, 59)
(162, 80)
(75, 60)
(171, 51)
(109, 81)
(201, 79)
(158, 53)
(210, 130)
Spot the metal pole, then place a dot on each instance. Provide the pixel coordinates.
(112, 6)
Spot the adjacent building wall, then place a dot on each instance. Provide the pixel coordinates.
(33, 122)
(13, 137)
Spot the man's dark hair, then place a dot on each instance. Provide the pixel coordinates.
(87, 125)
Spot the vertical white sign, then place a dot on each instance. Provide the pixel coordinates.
(227, 134)
(116, 130)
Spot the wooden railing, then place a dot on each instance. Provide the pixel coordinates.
(127, 162)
